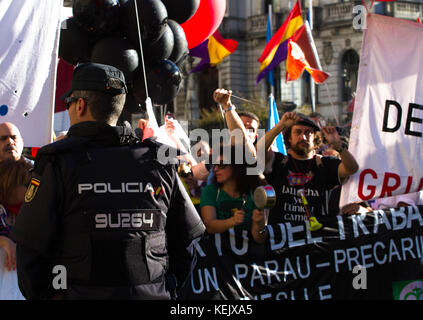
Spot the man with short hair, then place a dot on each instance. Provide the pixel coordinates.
(251, 123)
(11, 142)
(101, 206)
(302, 179)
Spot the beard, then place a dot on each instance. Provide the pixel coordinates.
(302, 148)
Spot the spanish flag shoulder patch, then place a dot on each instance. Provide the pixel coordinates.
(32, 190)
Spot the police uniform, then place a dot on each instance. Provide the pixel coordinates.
(103, 208)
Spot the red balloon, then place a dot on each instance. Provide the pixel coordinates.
(204, 22)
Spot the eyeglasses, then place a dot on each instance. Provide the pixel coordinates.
(221, 166)
(69, 100)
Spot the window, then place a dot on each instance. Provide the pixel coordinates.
(349, 72)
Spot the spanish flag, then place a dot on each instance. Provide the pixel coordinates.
(212, 51)
(276, 49)
(296, 63)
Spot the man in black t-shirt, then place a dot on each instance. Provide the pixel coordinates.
(302, 179)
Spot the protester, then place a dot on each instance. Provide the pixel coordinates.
(14, 179)
(251, 123)
(11, 142)
(102, 206)
(228, 201)
(240, 122)
(302, 179)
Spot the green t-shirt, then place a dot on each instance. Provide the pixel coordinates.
(224, 203)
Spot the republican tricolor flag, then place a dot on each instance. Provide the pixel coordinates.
(212, 51)
(276, 49)
(296, 63)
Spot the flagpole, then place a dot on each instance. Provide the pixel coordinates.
(270, 74)
(312, 84)
(319, 66)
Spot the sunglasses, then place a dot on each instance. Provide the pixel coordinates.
(69, 100)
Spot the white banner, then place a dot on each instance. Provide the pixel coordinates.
(386, 133)
(29, 33)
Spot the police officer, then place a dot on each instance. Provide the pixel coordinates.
(103, 218)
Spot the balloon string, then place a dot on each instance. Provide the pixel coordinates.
(246, 100)
(141, 51)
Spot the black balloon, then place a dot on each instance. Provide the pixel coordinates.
(117, 52)
(181, 10)
(132, 105)
(152, 20)
(160, 49)
(74, 44)
(163, 81)
(180, 46)
(97, 16)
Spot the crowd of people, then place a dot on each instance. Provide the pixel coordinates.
(123, 225)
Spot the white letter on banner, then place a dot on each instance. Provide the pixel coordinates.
(398, 214)
(341, 228)
(273, 245)
(239, 275)
(271, 271)
(377, 244)
(200, 279)
(256, 275)
(413, 214)
(365, 256)
(406, 248)
(324, 297)
(208, 279)
(218, 242)
(380, 217)
(291, 230)
(358, 222)
(307, 263)
(338, 261)
(198, 248)
(393, 251)
(287, 272)
(244, 248)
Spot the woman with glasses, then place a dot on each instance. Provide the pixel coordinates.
(228, 201)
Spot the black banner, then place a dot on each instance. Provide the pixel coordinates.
(373, 256)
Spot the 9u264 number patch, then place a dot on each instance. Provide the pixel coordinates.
(32, 190)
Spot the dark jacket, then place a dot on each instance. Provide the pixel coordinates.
(102, 206)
